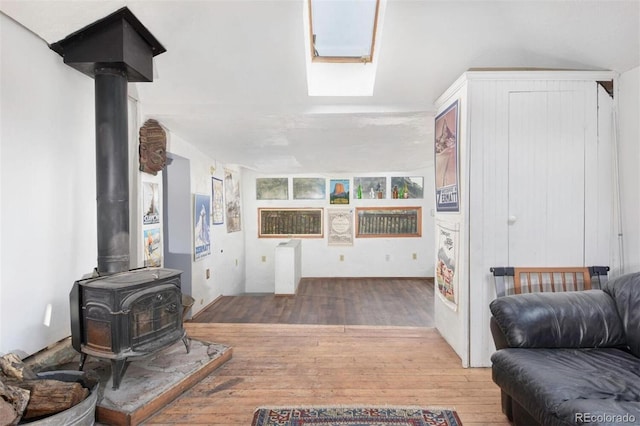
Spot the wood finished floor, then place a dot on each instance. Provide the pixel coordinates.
(337, 342)
(331, 301)
(304, 365)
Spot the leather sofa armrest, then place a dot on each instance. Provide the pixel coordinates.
(576, 319)
(499, 339)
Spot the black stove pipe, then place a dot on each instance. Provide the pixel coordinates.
(114, 50)
(112, 174)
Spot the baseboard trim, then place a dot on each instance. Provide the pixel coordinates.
(195, 317)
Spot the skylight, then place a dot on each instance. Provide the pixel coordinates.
(344, 58)
(343, 30)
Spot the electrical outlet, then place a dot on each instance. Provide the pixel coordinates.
(387, 257)
(264, 258)
(202, 301)
(414, 256)
(342, 258)
(236, 262)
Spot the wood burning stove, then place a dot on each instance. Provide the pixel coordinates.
(126, 315)
(119, 314)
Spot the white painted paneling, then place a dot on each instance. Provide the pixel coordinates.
(489, 197)
(600, 241)
(532, 152)
(629, 155)
(546, 178)
(453, 325)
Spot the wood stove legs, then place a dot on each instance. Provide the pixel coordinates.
(83, 359)
(118, 367)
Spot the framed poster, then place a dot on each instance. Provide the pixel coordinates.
(386, 222)
(290, 222)
(340, 227)
(446, 263)
(201, 225)
(232, 200)
(272, 188)
(309, 188)
(408, 186)
(370, 187)
(150, 201)
(446, 159)
(339, 191)
(152, 247)
(217, 213)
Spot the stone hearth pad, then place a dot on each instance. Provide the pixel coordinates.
(152, 382)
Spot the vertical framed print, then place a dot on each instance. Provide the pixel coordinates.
(447, 263)
(217, 213)
(340, 227)
(150, 203)
(201, 228)
(446, 159)
(339, 191)
(232, 200)
(152, 247)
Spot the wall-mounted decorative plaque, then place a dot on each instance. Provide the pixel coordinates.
(290, 223)
(376, 222)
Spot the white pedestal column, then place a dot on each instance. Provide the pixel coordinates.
(288, 266)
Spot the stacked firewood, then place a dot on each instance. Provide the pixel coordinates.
(24, 396)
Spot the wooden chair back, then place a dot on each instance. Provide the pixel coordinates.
(518, 280)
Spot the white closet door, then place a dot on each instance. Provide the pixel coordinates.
(546, 178)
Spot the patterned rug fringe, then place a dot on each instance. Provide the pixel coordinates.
(309, 407)
(360, 415)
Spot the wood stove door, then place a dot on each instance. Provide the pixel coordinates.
(153, 314)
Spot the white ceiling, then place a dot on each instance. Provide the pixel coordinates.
(233, 80)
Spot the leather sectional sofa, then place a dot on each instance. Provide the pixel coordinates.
(570, 358)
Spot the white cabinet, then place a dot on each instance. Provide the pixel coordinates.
(535, 183)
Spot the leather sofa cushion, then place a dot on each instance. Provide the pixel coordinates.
(554, 385)
(625, 290)
(574, 319)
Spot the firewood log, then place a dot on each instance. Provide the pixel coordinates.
(49, 397)
(52, 396)
(12, 366)
(13, 402)
(8, 415)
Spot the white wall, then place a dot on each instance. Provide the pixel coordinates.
(629, 155)
(47, 192)
(47, 195)
(226, 261)
(367, 256)
(452, 324)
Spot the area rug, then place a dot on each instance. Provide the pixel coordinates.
(355, 416)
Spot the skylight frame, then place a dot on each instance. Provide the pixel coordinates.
(343, 59)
